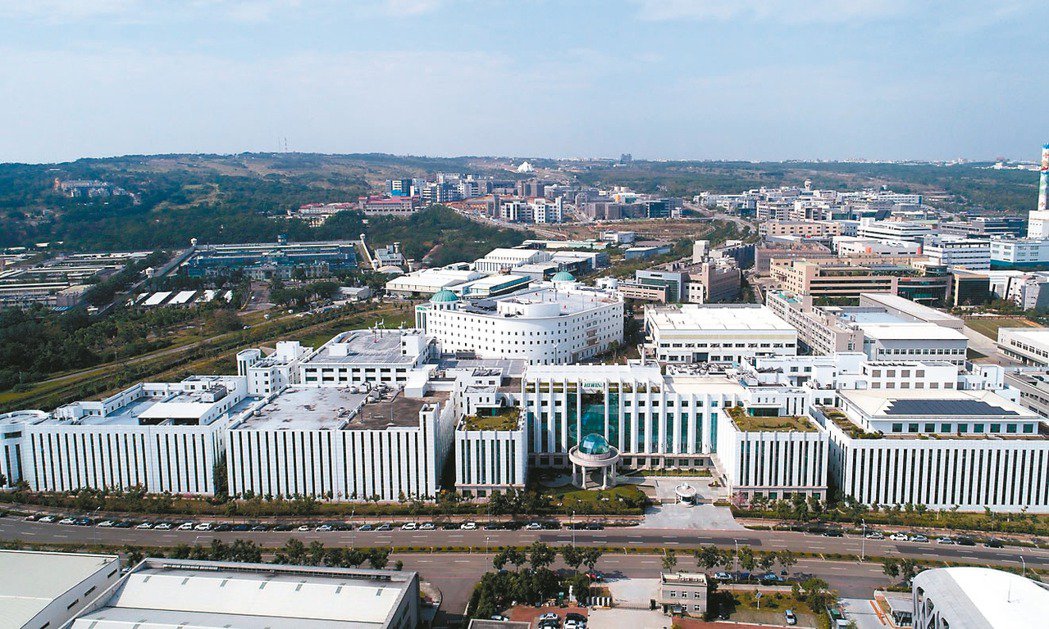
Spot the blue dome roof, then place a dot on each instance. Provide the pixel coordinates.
(593, 444)
(443, 296)
(563, 276)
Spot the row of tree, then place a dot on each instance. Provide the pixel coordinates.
(293, 552)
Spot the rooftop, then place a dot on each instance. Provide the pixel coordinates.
(163, 594)
(337, 408)
(30, 581)
(984, 598)
(784, 423)
(379, 346)
(953, 403)
(508, 419)
(701, 317)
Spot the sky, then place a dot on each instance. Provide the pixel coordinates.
(660, 79)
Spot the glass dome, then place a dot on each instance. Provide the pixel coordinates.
(593, 444)
(443, 296)
(562, 276)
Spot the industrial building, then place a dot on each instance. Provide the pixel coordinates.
(39, 589)
(976, 598)
(1029, 346)
(266, 261)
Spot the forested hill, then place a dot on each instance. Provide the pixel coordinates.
(212, 198)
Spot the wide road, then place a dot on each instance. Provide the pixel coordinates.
(12, 529)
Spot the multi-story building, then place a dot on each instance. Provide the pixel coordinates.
(1033, 389)
(975, 598)
(805, 229)
(845, 279)
(973, 254)
(847, 246)
(690, 333)
(426, 282)
(359, 357)
(503, 260)
(965, 450)
(683, 593)
(1029, 346)
(271, 374)
(559, 322)
(1019, 252)
(389, 206)
(893, 230)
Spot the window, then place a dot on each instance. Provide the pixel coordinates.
(977, 427)
(1028, 429)
(930, 427)
(996, 428)
(945, 428)
(897, 427)
(912, 427)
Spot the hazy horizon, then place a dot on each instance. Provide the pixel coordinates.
(719, 80)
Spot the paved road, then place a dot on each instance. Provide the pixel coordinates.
(39, 532)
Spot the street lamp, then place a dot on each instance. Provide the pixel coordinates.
(735, 557)
(1024, 564)
(863, 541)
(572, 526)
(486, 540)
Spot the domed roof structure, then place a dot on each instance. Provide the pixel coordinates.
(593, 444)
(562, 276)
(443, 296)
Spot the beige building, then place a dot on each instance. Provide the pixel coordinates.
(804, 229)
(832, 278)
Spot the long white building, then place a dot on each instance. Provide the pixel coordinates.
(558, 323)
(690, 333)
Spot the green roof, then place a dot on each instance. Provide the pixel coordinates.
(443, 296)
(563, 276)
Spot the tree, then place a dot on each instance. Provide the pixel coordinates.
(787, 559)
(708, 556)
(540, 555)
(591, 555)
(766, 561)
(669, 560)
(816, 593)
(746, 558)
(378, 558)
(133, 555)
(891, 567)
(572, 556)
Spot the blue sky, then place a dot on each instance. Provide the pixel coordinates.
(675, 79)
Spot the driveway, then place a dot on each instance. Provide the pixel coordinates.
(698, 517)
(860, 611)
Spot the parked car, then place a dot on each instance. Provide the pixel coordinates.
(31, 517)
(965, 541)
(324, 528)
(283, 527)
(595, 526)
(185, 526)
(260, 527)
(833, 533)
(946, 540)
(303, 528)
(770, 578)
(124, 524)
(921, 539)
(994, 542)
(450, 526)
(67, 521)
(47, 518)
(366, 527)
(83, 521)
(548, 616)
(722, 576)
(533, 526)
(223, 526)
(144, 526)
(426, 526)
(468, 526)
(162, 526)
(790, 617)
(898, 537)
(203, 526)
(409, 526)
(384, 527)
(241, 527)
(500, 618)
(105, 524)
(492, 526)
(875, 535)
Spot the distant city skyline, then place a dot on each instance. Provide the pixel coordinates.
(660, 79)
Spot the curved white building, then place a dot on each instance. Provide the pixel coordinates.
(559, 323)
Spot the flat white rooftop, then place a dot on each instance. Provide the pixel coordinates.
(30, 581)
(942, 403)
(306, 408)
(1033, 336)
(171, 594)
(985, 598)
(910, 331)
(363, 346)
(715, 318)
(906, 306)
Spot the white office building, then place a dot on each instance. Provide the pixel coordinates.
(426, 282)
(892, 230)
(560, 322)
(958, 252)
(164, 437)
(965, 450)
(372, 356)
(1019, 251)
(42, 590)
(329, 442)
(690, 333)
(503, 260)
(1029, 346)
(271, 374)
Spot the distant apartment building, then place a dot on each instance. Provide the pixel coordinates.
(394, 206)
(805, 229)
(973, 254)
(1019, 252)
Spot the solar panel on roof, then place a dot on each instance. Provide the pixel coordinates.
(946, 407)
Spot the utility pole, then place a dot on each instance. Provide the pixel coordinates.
(863, 541)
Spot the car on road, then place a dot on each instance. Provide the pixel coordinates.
(722, 576)
(185, 526)
(833, 533)
(384, 527)
(67, 521)
(790, 617)
(770, 578)
(366, 527)
(303, 528)
(533, 526)
(47, 518)
(875, 535)
(283, 527)
(223, 526)
(468, 526)
(324, 528)
(921, 539)
(426, 526)
(409, 526)
(240, 527)
(162, 526)
(450, 526)
(898, 537)
(203, 526)
(105, 524)
(260, 527)
(492, 526)
(994, 542)
(965, 541)
(144, 526)
(124, 524)
(595, 526)
(946, 540)
(85, 521)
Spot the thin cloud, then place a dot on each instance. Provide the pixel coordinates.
(788, 11)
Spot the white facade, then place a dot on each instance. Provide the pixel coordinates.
(487, 461)
(428, 281)
(548, 325)
(499, 260)
(688, 333)
(41, 589)
(892, 230)
(854, 246)
(949, 450)
(359, 357)
(1027, 345)
(273, 373)
(973, 254)
(772, 464)
(976, 598)
(1020, 250)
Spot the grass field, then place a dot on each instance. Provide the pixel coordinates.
(989, 327)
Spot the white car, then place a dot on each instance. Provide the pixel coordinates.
(67, 521)
(105, 524)
(185, 526)
(533, 526)
(549, 616)
(409, 526)
(203, 526)
(144, 526)
(468, 526)
(790, 617)
(303, 529)
(898, 537)
(946, 540)
(426, 526)
(163, 526)
(47, 518)
(324, 528)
